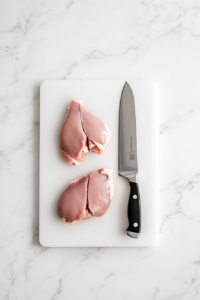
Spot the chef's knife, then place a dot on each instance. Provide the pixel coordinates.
(127, 155)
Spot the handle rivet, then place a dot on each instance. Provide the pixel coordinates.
(134, 196)
(135, 224)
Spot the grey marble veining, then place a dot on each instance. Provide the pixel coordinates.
(56, 39)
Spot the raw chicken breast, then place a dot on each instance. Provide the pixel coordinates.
(81, 132)
(87, 196)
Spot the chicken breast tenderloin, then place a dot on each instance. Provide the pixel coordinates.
(82, 132)
(87, 196)
(73, 140)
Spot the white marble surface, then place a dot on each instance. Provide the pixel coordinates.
(101, 39)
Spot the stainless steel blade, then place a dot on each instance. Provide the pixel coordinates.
(127, 150)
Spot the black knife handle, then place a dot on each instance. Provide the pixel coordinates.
(134, 217)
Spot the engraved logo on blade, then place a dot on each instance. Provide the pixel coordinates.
(132, 153)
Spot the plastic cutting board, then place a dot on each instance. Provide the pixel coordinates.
(102, 98)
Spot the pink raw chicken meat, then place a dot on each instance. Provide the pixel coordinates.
(82, 132)
(87, 196)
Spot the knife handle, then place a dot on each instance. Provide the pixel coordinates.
(134, 217)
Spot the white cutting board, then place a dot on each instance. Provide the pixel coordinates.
(102, 98)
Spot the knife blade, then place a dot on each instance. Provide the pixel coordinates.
(127, 158)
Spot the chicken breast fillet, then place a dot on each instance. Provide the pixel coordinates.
(82, 132)
(87, 196)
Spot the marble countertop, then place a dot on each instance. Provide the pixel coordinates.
(101, 39)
